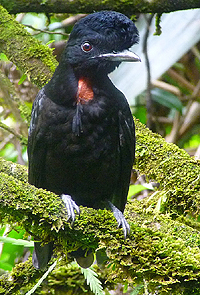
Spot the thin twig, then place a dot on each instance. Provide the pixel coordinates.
(71, 20)
(147, 62)
(173, 136)
(166, 86)
(197, 154)
(45, 31)
(12, 131)
(181, 80)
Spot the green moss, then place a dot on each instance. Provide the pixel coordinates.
(22, 276)
(31, 56)
(158, 31)
(25, 111)
(24, 197)
(175, 171)
(12, 169)
(159, 259)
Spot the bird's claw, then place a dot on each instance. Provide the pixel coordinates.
(121, 220)
(71, 206)
(124, 224)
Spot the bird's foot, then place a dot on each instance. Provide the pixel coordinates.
(121, 220)
(71, 206)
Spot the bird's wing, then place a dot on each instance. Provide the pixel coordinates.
(37, 157)
(126, 156)
(36, 144)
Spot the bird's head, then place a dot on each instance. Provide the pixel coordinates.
(100, 42)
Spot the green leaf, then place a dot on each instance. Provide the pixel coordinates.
(113, 267)
(137, 188)
(3, 57)
(22, 79)
(125, 289)
(2, 230)
(160, 206)
(166, 99)
(18, 242)
(13, 246)
(92, 280)
(49, 42)
(6, 266)
(140, 112)
(193, 141)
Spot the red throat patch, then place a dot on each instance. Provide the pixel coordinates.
(85, 92)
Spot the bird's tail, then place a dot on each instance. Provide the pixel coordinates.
(42, 254)
(84, 258)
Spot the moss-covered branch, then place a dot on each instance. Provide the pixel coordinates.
(88, 6)
(65, 279)
(23, 275)
(160, 250)
(18, 107)
(31, 56)
(177, 173)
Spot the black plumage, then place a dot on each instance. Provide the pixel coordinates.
(81, 137)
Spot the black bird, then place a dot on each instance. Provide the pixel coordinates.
(81, 137)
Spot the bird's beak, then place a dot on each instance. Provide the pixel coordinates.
(125, 55)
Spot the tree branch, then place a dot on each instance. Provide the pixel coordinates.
(88, 6)
(12, 131)
(177, 173)
(30, 55)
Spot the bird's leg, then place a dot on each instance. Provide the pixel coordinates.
(84, 257)
(121, 220)
(71, 207)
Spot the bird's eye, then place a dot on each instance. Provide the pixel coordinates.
(86, 46)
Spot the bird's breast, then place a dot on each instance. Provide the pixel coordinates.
(86, 128)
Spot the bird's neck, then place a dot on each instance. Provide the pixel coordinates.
(61, 89)
(67, 87)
